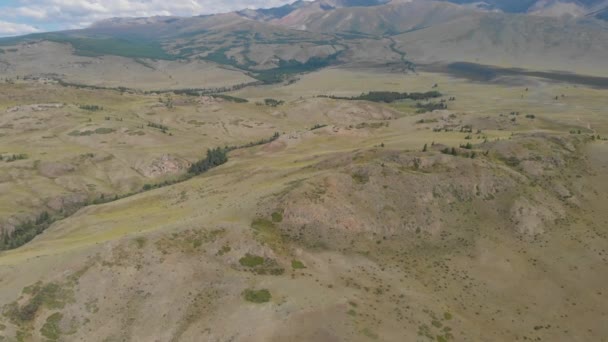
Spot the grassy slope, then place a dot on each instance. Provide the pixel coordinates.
(94, 46)
(533, 43)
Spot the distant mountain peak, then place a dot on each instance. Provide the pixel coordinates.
(276, 13)
(554, 8)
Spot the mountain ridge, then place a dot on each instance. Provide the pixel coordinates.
(274, 45)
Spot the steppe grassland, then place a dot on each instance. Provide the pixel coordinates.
(579, 108)
(115, 71)
(496, 271)
(576, 106)
(111, 162)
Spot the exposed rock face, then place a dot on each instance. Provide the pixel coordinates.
(392, 193)
(165, 165)
(55, 169)
(67, 202)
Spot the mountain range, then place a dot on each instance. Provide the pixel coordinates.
(272, 45)
(595, 8)
(591, 8)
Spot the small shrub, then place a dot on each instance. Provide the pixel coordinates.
(104, 130)
(277, 217)
(257, 296)
(91, 108)
(140, 242)
(367, 332)
(296, 264)
(273, 271)
(225, 249)
(360, 178)
(162, 127)
(250, 260)
(273, 102)
(267, 233)
(512, 161)
(51, 329)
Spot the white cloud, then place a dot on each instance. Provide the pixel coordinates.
(31, 13)
(15, 29)
(78, 13)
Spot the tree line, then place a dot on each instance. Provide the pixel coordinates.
(429, 107)
(389, 96)
(27, 231)
(13, 157)
(188, 91)
(162, 127)
(91, 108)
(215, 157)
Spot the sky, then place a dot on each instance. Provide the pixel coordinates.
(18, 17)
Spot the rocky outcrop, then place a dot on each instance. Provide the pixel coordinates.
(165, 165)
